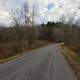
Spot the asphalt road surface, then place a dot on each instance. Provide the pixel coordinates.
(42, 64)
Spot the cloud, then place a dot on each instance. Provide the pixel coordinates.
(49, 10)
(4, 17)
(4, 14)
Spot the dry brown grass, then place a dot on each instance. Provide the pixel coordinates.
(73, 59)
(75, 46)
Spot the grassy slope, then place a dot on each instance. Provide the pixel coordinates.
(73, 59)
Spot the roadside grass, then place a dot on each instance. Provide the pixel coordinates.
(9, 58)
(72, 58)
(36, 45)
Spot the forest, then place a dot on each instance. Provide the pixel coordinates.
(15, 40)
(24, 33)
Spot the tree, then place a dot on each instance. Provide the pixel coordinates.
(26, 14)
(43, 25)
(29, 15)
(16, 18)
(49, 24)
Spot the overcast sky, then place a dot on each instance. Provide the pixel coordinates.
(49, 10)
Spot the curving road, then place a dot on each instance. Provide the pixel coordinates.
(42, 64)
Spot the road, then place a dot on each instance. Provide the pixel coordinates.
(46, 63)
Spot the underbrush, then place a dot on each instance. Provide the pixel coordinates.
(13, 48)
(9, 49)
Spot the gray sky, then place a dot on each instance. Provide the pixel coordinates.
(49, 10)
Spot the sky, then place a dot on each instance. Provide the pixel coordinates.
(49, 10)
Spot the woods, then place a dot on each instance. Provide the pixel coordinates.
(69, 34)
(18, 39)
(22, 35)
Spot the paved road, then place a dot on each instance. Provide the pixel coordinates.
(42, 64)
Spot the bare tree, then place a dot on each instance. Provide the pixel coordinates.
(16, 18)
(26, 14)
(29, 15)
(34, 13)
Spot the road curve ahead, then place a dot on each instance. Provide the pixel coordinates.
(42, 64)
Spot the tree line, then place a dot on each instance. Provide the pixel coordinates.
(25, 33)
